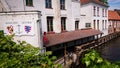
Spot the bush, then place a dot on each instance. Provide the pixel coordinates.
(92, 59)
(23, 55)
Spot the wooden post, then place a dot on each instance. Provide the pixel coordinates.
(97, 39)
(64, 54)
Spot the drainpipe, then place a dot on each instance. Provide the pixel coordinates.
(40, 35)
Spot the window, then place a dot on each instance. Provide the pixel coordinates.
(94, 10)
(98, 24)
(97, 11)
(29, 2)
(76, 25)
(63, 23)
(103, 24)
(103, 12)
(88, 25)
(50, 24)
(48, 3)
(94, 24)
(62, 4)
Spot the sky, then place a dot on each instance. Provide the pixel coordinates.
(114, 4)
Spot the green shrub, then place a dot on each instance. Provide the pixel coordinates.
(23, 55)
(92, 59)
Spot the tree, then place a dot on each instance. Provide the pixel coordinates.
(104, 1)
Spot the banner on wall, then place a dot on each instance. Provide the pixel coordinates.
(19, 28)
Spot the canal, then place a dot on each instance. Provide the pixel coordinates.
(111, 50)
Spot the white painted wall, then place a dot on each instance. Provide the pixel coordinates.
(2, 8)
(71, 13)
(20, 17)
(87, 10)
(86, 14)
(75, 13)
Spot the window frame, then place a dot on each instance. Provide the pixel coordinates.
(94, 10)
(62, 4)
(49, 24)
(76, 25)
(97, 24)
(48, 3)
(103, 26)
(98, 11)
(87, 25)
(63, 23)
(94, 24)
(102, 12)
(105, 12)
(29, 2)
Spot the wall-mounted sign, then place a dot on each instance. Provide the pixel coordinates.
(19, 28)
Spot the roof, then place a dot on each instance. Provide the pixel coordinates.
(113, 15)
(118, 11)
(83, 2)
(55, 39)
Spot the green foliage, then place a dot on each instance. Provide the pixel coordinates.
(104, 1)
(93, 60)
(23, 55)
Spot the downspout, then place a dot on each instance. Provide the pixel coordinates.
(40, 34)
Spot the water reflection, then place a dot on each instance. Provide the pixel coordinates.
(111, 50)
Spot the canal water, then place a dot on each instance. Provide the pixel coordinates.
(111, 50)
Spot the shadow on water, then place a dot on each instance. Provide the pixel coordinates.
(111, 50)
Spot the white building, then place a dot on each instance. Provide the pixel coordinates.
(26, 26)
(113, 21)
(94, 14)
(57, 15)
(53, 13)
(62, 17)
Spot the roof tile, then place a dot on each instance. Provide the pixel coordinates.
(55, 39)
(113, 15)
(93, 1)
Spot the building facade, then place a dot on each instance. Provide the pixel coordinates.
(94, 14)
(26, 26)
(61, 28)
(3, 6)
(57, 15)
(114, 21)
